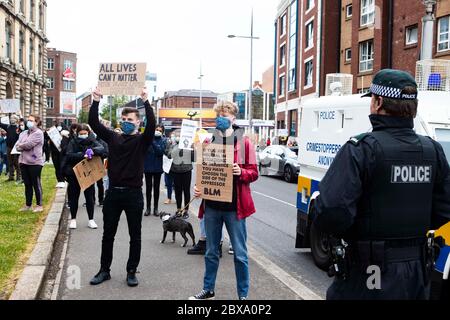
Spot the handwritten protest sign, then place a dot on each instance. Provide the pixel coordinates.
(215, 172)
(187, 135)
(122, 78)
(56, 137)
(4, 120)
(89, 172)
(10, 106)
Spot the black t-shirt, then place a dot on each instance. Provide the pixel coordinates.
(225, 206)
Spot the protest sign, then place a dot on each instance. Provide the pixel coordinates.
(187, 135)
(215, 172)
(14, 149)
(4, 120)
(89, 172)
(55, 136)
(10, 106)
(122, 78)
(167, 164)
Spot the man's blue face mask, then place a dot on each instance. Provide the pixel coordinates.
(128, 127)
(223, 124)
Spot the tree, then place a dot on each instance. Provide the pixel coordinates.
(117, 103)
(83, 117)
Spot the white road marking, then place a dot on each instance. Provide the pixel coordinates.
(272, 198)
(302, 291)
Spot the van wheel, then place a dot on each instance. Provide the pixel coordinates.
(288, 174)
(319, 248)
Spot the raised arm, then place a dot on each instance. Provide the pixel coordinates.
(150, 127)
(104, 133)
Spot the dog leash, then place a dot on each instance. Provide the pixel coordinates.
(182, 210)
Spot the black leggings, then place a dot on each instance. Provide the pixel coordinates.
(182, 183)
(152, 181)
(74, 191)
(31, 176)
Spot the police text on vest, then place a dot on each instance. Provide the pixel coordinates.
(411, 174)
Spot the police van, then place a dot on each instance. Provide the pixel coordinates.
(327, 123)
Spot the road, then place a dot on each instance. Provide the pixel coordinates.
(272, 231)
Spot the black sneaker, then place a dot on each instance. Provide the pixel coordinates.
(231, 250)
(100, 277)
(156, 212)
(243, 298)
(132, 281)
(198, 249)
(100, 203)
(147, 213)
(186, 214)
(204, 295)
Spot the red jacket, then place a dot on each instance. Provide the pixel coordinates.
(247, 162)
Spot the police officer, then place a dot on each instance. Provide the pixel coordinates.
(381, 195)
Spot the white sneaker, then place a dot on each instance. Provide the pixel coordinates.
(60, 185)
(73, 224)
(92, 224)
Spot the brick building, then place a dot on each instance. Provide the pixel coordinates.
(188, 99)
(23, 54)
(358, 37)
(61, 91)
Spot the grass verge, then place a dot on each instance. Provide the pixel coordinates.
(19, 231)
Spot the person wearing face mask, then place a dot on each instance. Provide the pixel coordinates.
(181, 171)
(31, 161)
(153, 170)
(215, 214)
(126, 159)
(77, 151)
(168, 178)
(12, 135)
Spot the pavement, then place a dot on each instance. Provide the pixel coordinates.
(166, 271)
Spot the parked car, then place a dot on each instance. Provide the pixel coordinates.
(279, 161)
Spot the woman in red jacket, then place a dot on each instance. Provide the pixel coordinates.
(233, 214)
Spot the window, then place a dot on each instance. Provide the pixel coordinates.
(367, 12)
(366, 56)
(41, 17)
(67, 65)
(309, 73)
(282, 55)
(21, 47)
(22, 6)
(8, 37)
(348, 55)
(51, 64)
(283, 25)
(292, 84)
(444, 34)
(51, 83)
(348, 11)
(68, 85)
(31, 55)
(310, 35)
(412, 35)
(281, 86)
(50, 103)
(309, 4)
(32, 10)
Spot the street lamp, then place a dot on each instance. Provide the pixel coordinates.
(201, 95)
(250, 92)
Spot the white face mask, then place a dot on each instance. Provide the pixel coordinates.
(158, 134)
(30, 125)
(22, 127)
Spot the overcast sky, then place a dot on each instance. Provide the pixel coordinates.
(173, 37)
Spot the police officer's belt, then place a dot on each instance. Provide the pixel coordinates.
(390, 251)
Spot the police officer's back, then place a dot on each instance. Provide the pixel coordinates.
(384, 191)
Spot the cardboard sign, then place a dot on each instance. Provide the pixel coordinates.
(122, 78)
(89, 172)
(187, 135)
(215, 172)
(56, 137)
(10, 106)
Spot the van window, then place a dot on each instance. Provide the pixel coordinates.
(443, 137)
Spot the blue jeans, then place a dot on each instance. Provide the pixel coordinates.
(214, 220)
(168, 180)
(203, 231)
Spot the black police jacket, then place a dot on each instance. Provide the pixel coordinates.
(345, 192)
